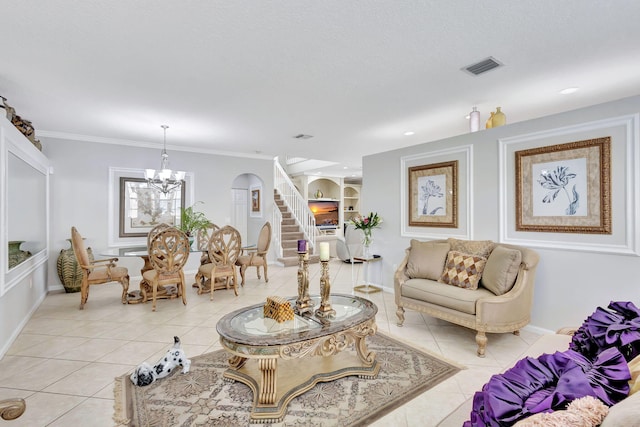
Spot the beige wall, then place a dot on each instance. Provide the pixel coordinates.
(80, 190)
(570, 283)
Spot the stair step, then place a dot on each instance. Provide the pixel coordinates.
(288, 221)
(293, 235)
(290, 228)
(289, 244)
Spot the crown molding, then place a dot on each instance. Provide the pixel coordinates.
(142, 144)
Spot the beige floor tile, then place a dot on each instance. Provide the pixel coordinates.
(42, 375)
(25, 341)
(51, 346)
(133, 353)
(88, 380)
(112, 339)
(11, 393)
(44, 408)
(50, 326)
(107, 392)
(10, 365)
(200, 335)
(91, 349)
(98, 411)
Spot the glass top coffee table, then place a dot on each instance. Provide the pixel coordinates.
(280, 361)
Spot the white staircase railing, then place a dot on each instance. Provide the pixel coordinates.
(295, 202)
(276, 227)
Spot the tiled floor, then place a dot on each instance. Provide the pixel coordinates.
(64, 361)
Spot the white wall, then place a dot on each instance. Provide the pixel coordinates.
(570, 284)
(80, 183)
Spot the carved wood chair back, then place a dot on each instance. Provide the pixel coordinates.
(168, 250)
(225, 246)
(155, 230)
(204, 235)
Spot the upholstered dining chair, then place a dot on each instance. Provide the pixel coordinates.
(168, 253)
(224, 249)
(256, 257)
(97, 272)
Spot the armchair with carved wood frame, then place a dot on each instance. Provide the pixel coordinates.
(224, 249)
(97, 272)
(168, 253)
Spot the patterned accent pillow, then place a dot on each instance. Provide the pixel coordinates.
(473, 247)
(463, 270)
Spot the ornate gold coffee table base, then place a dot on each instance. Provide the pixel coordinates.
(277, 374)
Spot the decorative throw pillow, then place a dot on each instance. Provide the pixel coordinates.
(586, 411)
(473, 247)
(463, 270)
(426, 259)
(634, 368)
(501, 270)
(625, 413)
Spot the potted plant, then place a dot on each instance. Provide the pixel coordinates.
(191, 221)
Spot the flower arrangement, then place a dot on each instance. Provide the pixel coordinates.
(366, 224)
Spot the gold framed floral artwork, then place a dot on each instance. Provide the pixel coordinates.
(433, 195)
(143, 207)
(564, 188)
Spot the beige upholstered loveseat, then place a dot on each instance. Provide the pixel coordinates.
(481, 285)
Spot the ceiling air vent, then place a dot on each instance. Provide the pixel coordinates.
(483, 66)
(303, 136)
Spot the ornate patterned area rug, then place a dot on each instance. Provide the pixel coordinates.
(203, 398)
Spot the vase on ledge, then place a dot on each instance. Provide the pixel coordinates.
(366, 243)
(16, 255)
(69, 270)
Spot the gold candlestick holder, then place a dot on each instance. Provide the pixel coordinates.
(303, 303)
(325, 310)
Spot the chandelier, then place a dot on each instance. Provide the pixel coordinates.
(164, 179)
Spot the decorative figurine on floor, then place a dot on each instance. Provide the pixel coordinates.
(145, 374)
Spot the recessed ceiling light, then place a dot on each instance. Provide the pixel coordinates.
(569, 90)
(409, 133)
(345, 167)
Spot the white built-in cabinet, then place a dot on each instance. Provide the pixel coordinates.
(332, 188)
(351, 198)
(24, 218)
(24, 215)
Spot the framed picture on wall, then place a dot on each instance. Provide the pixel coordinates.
(433, 193)
(564, 188)
(255, 200)
(143, 207)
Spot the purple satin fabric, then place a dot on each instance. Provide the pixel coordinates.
(617, 327)
(595, 365)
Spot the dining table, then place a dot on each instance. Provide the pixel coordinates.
(143, 294)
